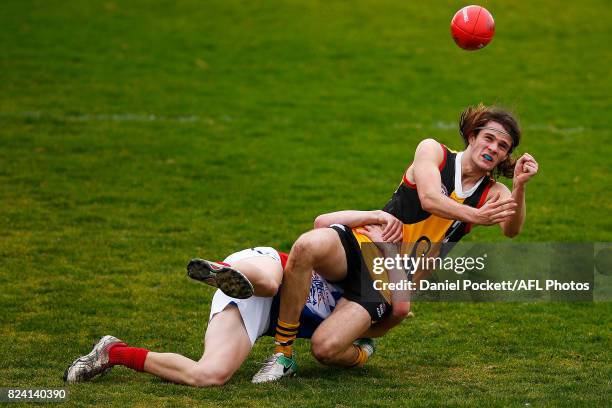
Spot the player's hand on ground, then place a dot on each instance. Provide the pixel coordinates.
(495, 210)
(525, 168)
(392, 227)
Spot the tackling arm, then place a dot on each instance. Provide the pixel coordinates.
(393, 228)
(350, 218)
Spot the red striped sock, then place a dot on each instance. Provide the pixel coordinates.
(131, 357)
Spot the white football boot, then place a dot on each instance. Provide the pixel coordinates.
(274, 368)
(93, 364)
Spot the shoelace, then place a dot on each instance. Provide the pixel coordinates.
(268, 365)
(270, 360)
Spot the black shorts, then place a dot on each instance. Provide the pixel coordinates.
(358, 285)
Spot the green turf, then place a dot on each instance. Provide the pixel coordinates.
(138, 134)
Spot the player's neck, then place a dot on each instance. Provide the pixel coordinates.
(470, 173)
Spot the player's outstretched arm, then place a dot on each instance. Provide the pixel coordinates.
(352, 218)
(427, 158)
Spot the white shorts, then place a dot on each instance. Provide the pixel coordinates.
(255, 311)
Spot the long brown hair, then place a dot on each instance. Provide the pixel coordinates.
(477, 116)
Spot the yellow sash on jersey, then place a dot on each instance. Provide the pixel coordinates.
(420, 239)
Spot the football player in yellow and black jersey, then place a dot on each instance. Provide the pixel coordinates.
(443, 194)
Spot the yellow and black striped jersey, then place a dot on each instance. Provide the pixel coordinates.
(405, 204)
(423, 232)
(418, 223)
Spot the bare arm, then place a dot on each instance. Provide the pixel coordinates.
(393, 227)
(350, 218)
(427, 158)
(525, 168)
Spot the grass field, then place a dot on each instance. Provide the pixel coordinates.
(138, 134)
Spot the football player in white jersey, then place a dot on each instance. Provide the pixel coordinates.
(246, 311)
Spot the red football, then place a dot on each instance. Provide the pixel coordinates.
(472, 27)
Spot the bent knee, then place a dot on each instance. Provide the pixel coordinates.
(269, 288)
(305, 245)
(311, 245)
(324, 350)
(208, 377)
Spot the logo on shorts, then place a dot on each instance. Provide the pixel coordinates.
(380, 310)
